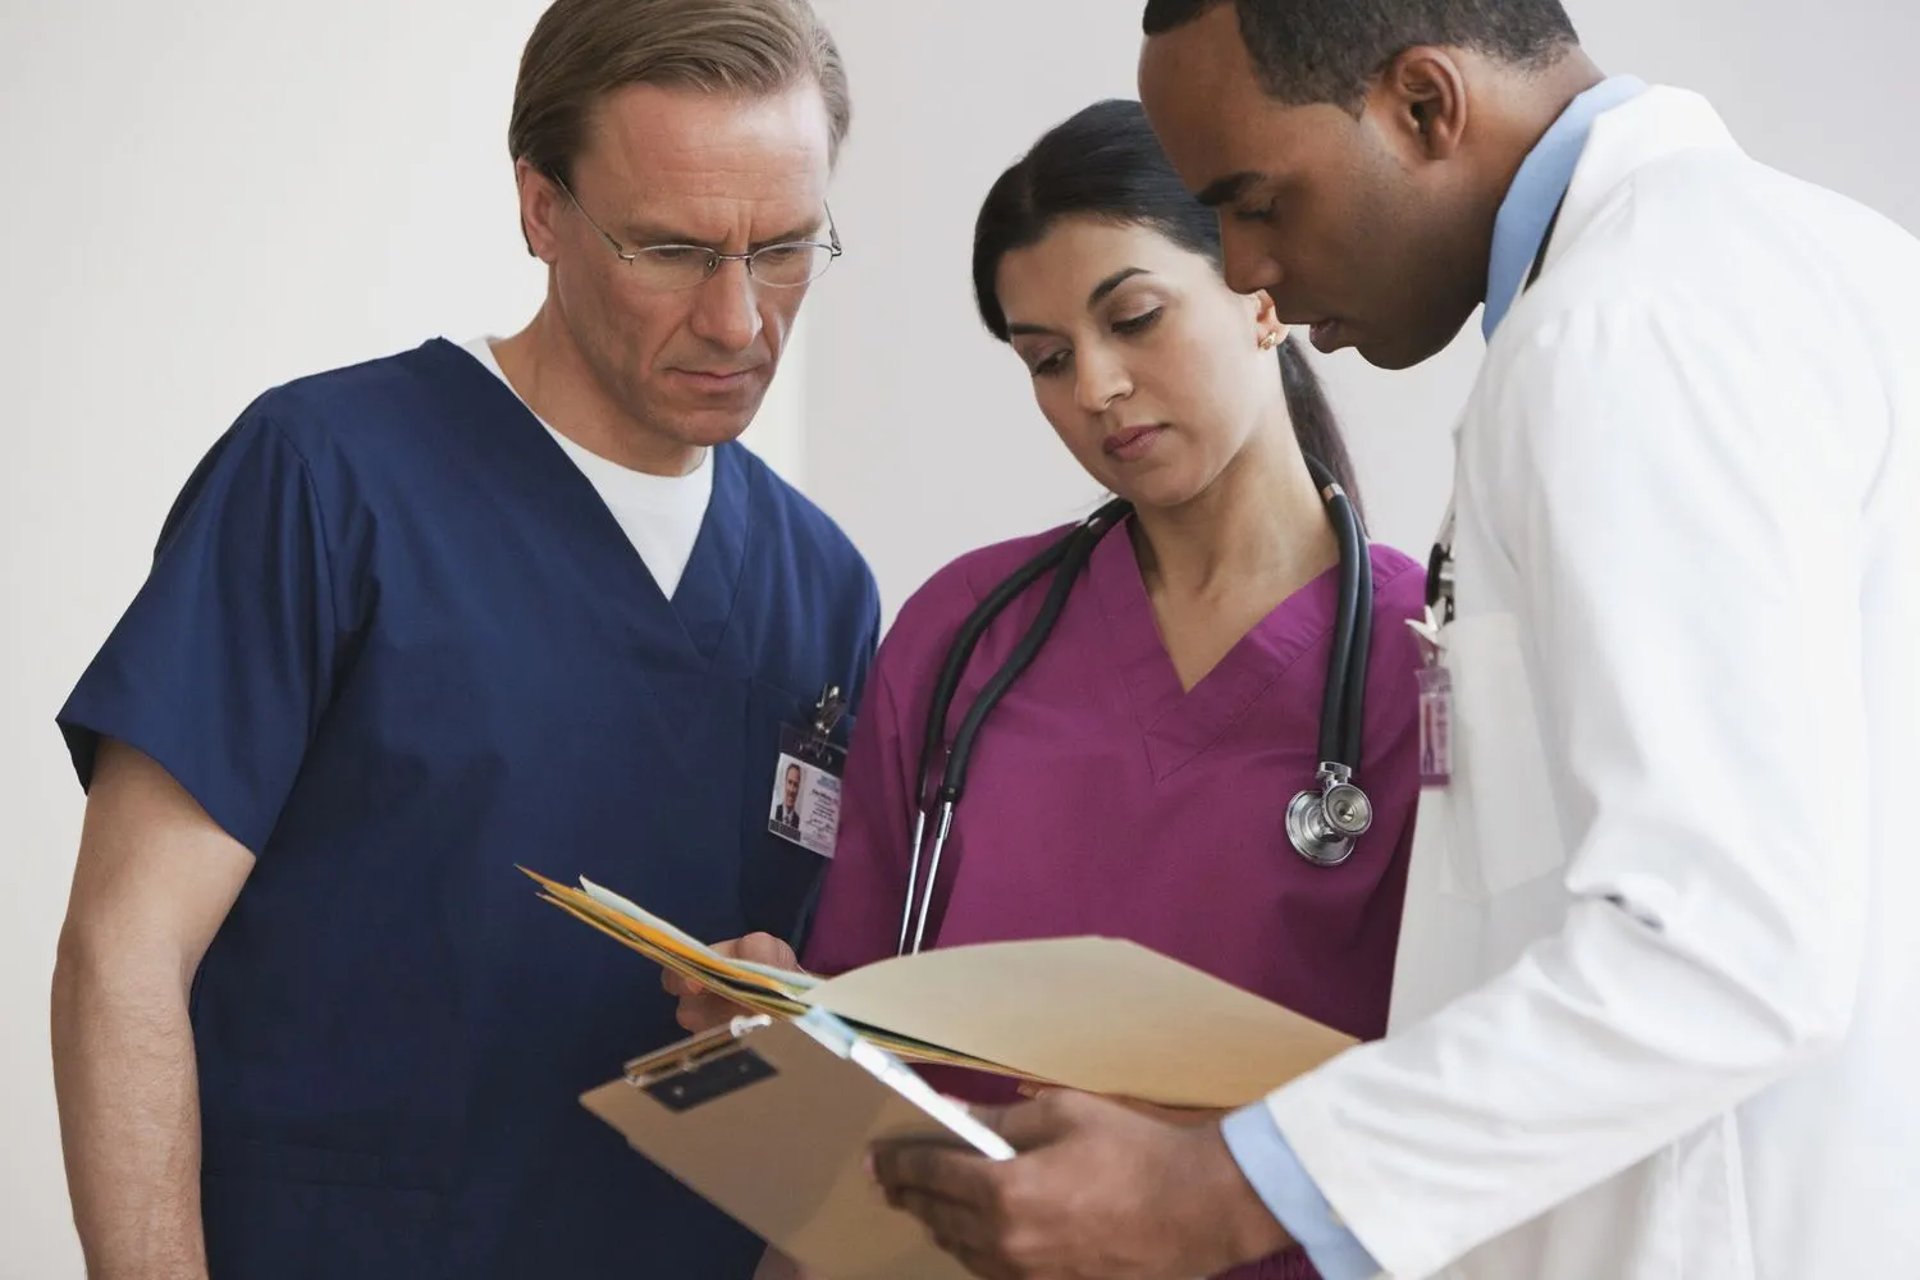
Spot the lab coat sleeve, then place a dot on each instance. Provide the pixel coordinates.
(224, 662)
(1686, 540)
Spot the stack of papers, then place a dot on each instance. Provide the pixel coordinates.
(1094, 1014)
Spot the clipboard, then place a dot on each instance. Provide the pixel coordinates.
(770, 1121)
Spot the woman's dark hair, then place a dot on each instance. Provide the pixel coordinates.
(1106, 163)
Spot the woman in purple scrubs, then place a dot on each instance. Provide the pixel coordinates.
(1134, 781)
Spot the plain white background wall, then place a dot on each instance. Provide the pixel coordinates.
(202, 200)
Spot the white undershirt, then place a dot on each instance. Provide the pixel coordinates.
(661, 515)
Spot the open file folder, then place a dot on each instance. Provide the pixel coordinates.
(770, 1121)
(1096, 1014)
(770, 1118)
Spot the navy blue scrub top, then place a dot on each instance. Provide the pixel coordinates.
(394, 643)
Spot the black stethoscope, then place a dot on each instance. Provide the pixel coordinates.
(1322, 822)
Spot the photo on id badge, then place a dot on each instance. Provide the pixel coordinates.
(805, 807)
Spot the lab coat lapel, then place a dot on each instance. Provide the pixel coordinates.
(1660, 123)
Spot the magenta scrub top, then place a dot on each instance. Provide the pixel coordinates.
(1103, 799)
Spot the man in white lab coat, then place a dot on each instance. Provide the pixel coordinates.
(1657, 1008)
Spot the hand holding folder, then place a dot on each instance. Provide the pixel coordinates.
(700, 1009)
(780, 993)
(770, 1117)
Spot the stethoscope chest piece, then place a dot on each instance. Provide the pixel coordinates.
(1323, 825)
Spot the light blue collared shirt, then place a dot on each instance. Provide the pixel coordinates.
(1257, 1144)
(1292, 1197)
(1533, 199)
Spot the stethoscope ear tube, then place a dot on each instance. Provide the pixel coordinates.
(1080, 546)
(958, 655)
(1323, 823)
(961, 652)
(1333, 695)
(1066, 558)
(1353, 713)
(913, 871)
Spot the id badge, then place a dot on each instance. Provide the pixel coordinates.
(1436, 703)
(805, 806)
(1436, 725)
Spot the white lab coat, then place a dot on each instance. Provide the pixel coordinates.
(1657, 1006)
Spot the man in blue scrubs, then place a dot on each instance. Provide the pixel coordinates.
(414, 622)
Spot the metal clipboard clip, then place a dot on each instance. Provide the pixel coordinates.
(711, 1065)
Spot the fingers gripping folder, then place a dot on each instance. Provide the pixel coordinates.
(770, 1117)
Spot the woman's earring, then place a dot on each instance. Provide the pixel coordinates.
(1271, 339)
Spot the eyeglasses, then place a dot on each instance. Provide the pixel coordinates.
(667, 268)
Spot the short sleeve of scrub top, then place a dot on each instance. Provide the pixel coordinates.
(222, 666)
